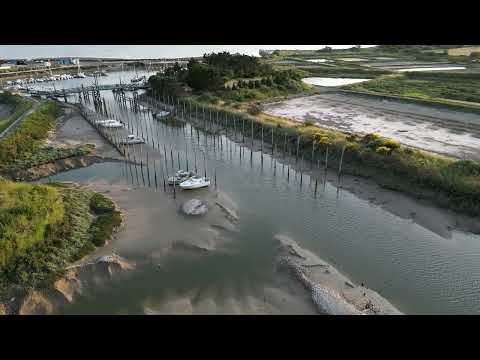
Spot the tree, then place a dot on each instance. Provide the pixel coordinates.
(204, 77)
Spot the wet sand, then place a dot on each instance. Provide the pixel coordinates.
(75, 130)
(442, 131)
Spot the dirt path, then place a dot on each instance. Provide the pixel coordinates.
(20, 119)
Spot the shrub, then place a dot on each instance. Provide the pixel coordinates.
(100, 204)
(255, 109)
(391, 143)
(371, 137)
(102, 228)
(309, 122)
(383, 150)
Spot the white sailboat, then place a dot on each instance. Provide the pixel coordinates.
(180, 176)
(110, 123)
(137, 77)
(132, 139)
(79, 75)
(160, 114)
(195, 182)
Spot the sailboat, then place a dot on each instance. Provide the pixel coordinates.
(137, 77)
(79, 75)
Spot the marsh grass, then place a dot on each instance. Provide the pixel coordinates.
(45, 227)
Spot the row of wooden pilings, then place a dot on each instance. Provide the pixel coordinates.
(218, 122)
(209, 121)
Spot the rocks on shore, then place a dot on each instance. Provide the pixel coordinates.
(331, 291)
(77, 278)
(194, 207)
(36, 303)
(57, 166)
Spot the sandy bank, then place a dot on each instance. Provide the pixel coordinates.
(434, 129)
(331, 291)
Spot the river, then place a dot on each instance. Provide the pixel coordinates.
(416, 269)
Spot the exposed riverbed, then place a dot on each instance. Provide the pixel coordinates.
(439, 130)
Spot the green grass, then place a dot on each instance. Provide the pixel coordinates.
(346, 71)
(30, 134)
(44, 228)
(459, 87)
(20, 106)
(23, 148)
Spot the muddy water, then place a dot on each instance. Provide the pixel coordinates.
(417, 270)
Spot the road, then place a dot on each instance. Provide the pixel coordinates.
(20, 119)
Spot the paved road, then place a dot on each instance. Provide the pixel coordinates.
(20, 119)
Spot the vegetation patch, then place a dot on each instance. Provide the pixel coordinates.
(19, 104)
(23, 148)
(429, 86)
(44, 228)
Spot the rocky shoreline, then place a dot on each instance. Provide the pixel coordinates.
(64, 291)
(331, 291)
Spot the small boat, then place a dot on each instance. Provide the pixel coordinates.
(137, 79)
(160, 114)
(180, 176)
(143, 108)
(111, 124)
(132, 139)
(195, 182)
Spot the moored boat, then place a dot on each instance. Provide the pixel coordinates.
(180, 176)
(132, 139)
(195, 182)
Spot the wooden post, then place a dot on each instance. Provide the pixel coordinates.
(298, 148)
(341, 161)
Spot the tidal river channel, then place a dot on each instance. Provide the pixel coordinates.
(417, 268)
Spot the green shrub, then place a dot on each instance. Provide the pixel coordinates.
(383, 150)
(103, 226)
(391, 144)
(100, 204)
(371, 137)
(255, 109)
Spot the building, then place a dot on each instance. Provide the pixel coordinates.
(66, 61)
(266, 52)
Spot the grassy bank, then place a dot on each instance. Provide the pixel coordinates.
(24, 147)
(44, 228)
(445, 181)
(460, 89)
(19, 106)
(356, 72)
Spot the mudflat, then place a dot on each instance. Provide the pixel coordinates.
(439, 130)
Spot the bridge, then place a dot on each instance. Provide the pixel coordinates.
(90, 88)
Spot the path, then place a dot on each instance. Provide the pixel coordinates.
(20, 119)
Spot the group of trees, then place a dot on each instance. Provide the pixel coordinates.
(237, 65)
(216, 69)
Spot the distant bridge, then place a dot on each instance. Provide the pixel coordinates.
(80, 89)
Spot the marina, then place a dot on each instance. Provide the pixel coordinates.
(229, 205)
(333, 221)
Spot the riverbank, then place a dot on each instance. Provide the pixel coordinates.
(66, 221)
(445, 181)
(12, 108)
(51, 140)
